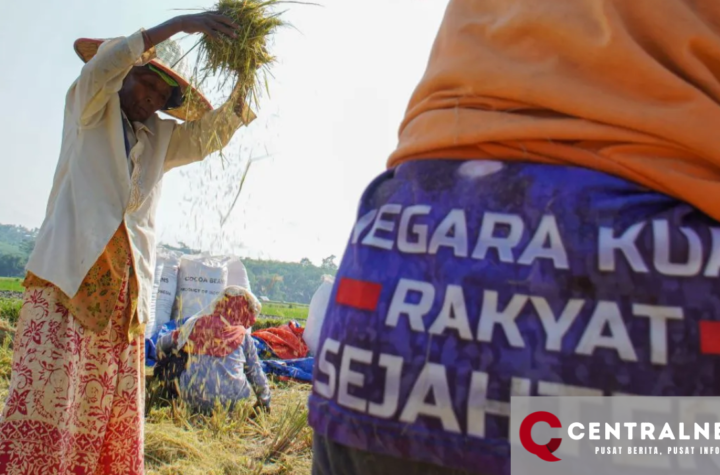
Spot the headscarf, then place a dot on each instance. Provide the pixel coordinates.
(627, 87)
(221, 328)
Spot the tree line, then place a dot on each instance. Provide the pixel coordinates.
(16, 244)
(294, 282)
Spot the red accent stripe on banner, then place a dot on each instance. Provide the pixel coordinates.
(710, 338)
(358, 294)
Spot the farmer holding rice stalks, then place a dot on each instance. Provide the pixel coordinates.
(548, 226)
(75, 403)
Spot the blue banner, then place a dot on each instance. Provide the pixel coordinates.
(464, 283)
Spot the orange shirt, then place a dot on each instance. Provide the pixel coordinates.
(628, 87)
(97, 298)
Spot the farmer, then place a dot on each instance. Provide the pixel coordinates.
(548, 225)
(76, 398)
(220, 364)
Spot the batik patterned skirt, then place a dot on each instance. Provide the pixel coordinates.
(76, 397)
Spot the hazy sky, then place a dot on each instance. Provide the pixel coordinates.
(340, 88)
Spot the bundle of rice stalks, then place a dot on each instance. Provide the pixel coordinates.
(292, 423)
(166, 443)
(242, 60)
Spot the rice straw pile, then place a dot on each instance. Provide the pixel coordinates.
(241, 60)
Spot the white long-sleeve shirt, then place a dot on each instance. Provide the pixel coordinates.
(93, 191)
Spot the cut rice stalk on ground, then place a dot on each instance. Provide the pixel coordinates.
(180, 442)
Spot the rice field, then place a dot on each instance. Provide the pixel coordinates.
(240, 442)
(10, 284)
(180, 443)
(277, 310)
(286, 311)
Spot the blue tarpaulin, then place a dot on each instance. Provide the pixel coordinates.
(300, 369)
(150, 343)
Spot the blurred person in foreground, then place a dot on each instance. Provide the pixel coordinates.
(76, 396)
(220, 364)
(548, 225)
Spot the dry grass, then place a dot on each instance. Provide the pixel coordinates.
(232, 442)
(5, 360)
(9, 311)
(238, 442)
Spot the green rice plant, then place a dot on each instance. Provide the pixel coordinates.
(285, 312)
(263, 323)
(11, 284)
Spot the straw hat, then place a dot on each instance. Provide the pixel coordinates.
(168, 53)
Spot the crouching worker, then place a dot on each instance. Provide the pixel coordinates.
(212, 356)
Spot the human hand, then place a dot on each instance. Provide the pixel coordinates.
(212, 24)
(238, 97)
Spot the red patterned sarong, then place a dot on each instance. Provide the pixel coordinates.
(76, 397)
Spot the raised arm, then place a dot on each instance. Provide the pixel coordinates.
(195, 140)
(103, 75)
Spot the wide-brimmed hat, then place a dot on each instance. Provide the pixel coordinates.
(194, 105)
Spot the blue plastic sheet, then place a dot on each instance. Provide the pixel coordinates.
(300, 369)
(150, 343)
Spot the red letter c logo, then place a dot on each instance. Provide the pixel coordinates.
(545, 452)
